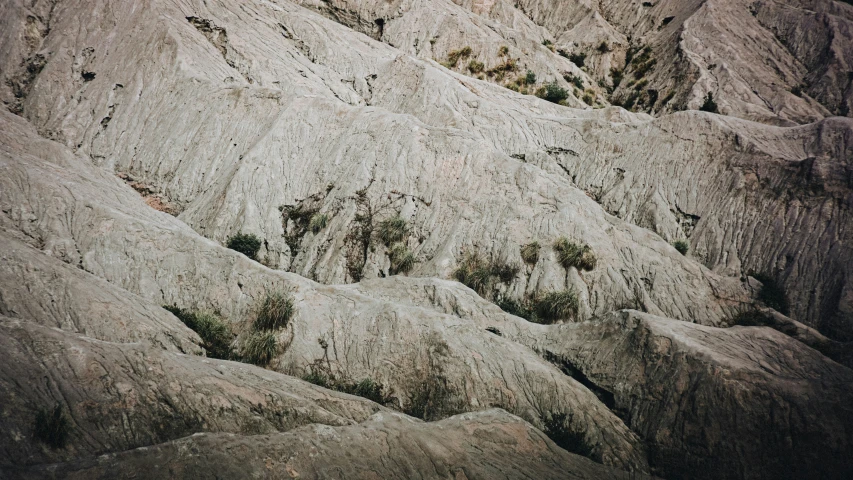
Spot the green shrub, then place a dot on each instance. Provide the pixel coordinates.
(275, 312)
(751, 317)
(603, 47)
(553, 306)
(51, 427)
(682, 246)
(575, 80)
(474, 272)
(260, 348)
(552, 92)
(530, 253)
(577, 58)
(393, 230)
(318, 222)
(587, 99)
(519, 309)
(475, 66)
(709, 105)
(402, 259)
(569, 440)
(317, 378)
(530, 78)
(772, 294)
(214, 332)
(247, 244)
(547, 42)
(503, 51)
(366, 388)
(570, 254)
(454, 56)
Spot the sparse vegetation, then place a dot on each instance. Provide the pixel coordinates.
(530, 253)
(570, 254)
(474, 272)
(318, 222)
(554, 306)
(556, 429)
(392, 230)
(709, 105)
(402, 259)
(772, 294)
(503, 51)
(577, 58)
(575, 80)
(603, 47)
(682, 246)
(530, 78)
(247, 244)
(214, 332)
(519, 309)
(51, 427)
(275, 312)
(366, 388)
(476, 67)
(552, 92)
(750, 317)
(454, 56)
(260, 348)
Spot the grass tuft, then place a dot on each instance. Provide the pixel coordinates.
(260, 348)
(554, 306)
(570, 254)
(682, 246)
(393, 230)
(402, 259)
(318, 222)
(275, 312)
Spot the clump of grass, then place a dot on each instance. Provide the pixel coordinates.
(603, 47)
(51, 427)
(554, 306)
(530, 78)
(570, 254)
(454, 56)
(247, 244)
(772, 294)
(474, 272)
(519, 309)
(552, 92)
(402, 259)
(750, 317)
(275, 312)
(318, 222)
(366, 388)
(709, 105)
(571, 441)
(392, 230)
(503, 51)
(530, 253)
(260, 348)
(476, 67)
(214, 332)
(682, 246)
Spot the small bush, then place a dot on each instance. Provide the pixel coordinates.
(317, 378)
(772, 294)
(577, 58)
(275, 312)
(503, 51)
(51, 427)
(318, 222)
(366, 388)
(474, 272)
(260, 348)
(553, 306)
(552, 92)
(530, 78)
(519, 309)
(505, 272)
(393, 230)
(570, 254)
(402, 259)
(530, 253)
(475, 66)
(214, 332)
(797, 90)
(682, 246)
(571, 441)
(547, 42)
(454, 56)
(247, 244)
(587, 99)
(709, 105)
(603, 47)
(575, 80)
(750, 318)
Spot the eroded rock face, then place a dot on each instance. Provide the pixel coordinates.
(387, 445)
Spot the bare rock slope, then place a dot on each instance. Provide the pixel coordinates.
(314, 125)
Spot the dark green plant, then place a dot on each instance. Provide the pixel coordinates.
(603, 47)
(247, 244)
(318, 222)
(570, 254)
(366, 388)
(530, 253)
(519, 309)
(552, 92)
(392, 230)
(260, 348)
(772, 294)
(572, 441)
(682, 246)
(214, 332)
(554, 306)
(275, 312)
(709, 105)
(547, 42)
(476, 67)
(51, 427)
(750, 317)
(530, 78)
(577, 58)
(402, 259)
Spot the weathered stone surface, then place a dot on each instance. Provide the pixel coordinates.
(489, 445)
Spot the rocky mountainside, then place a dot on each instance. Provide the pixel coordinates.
(493, 239)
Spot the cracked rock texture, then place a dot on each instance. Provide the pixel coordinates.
(138, 136)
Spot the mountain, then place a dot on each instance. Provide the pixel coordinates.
(490, 239)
